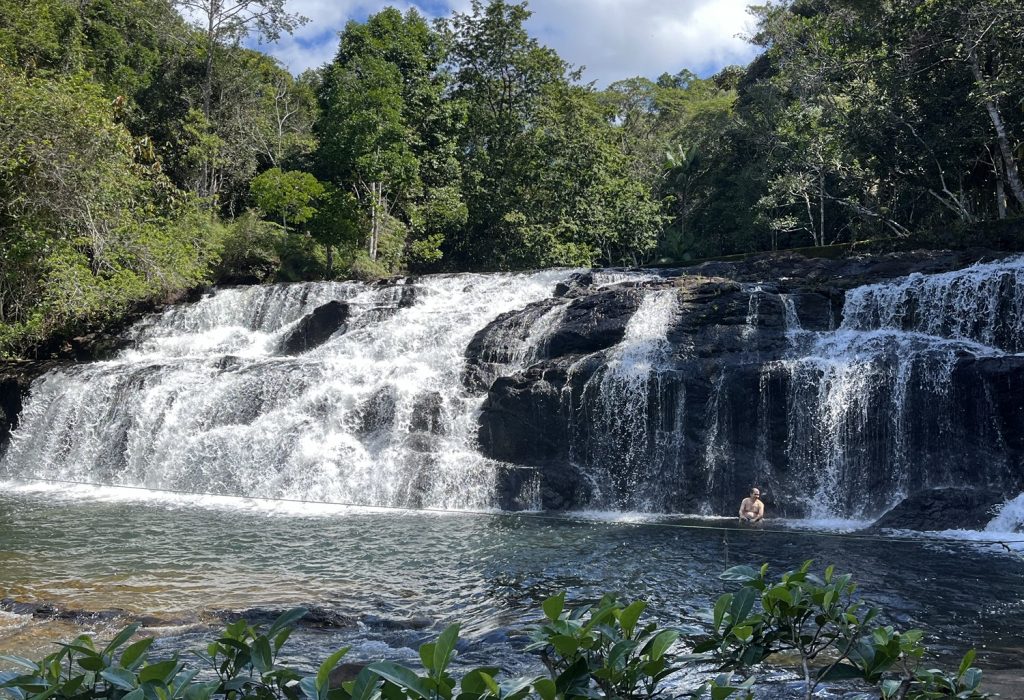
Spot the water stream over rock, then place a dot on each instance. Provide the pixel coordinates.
(841, 390)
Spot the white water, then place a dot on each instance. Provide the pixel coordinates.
(623, 401)
(894, 337)
(203, 402)
(984, 303)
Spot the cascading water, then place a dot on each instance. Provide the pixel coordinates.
(617, 391)
(204, 401)
(620, 442)
(870, 399)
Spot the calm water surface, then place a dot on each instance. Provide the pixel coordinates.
(395, 578)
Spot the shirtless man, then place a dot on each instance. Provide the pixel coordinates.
(752, 509)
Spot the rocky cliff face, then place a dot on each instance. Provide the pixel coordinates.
(678, 391)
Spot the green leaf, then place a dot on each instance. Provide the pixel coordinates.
(119, 678)
(281, 638)
(565, 645)
(365, 685)
(491, 684)
(545, 688)
(308, 686)
(401, 676)
(92, 663)
(262, 656)
(742, 604)
(721, 605)
(553, 606)
(966, 662)
(779, 593)
(742, 573)
(840, 672)
(743, 633)
(121, 637)
(629, 617)
(661, 643)
(136, 694)
(201, 691)
(473, 682)
(323, 674)
(135, 653)
(971, 679)
(287, 619)
(444, 648)
(19, 661)
(160, 672)
(427, 655)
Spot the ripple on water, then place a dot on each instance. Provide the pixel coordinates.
(403, 575)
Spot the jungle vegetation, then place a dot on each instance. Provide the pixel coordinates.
(143, 154)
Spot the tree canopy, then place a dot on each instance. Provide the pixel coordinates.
(144, 149)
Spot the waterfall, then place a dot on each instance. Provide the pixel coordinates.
(868, 400)
(602, 389)
(620, 442)
(983, 303)
(204, 401)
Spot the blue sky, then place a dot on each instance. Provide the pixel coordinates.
(614, 39)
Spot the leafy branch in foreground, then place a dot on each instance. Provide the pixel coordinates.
(831, 631)
(591, 651)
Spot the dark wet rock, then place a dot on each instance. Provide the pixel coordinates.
(424, 443)
(943, 509)
(589, 324)
(390, 623)
(50, 611)
(576, 285)
(428, 413)
(593, 322)
(317, 327)
(724, 410)
(377, 413)
(229, 363)
(15, 384)
(316, 617)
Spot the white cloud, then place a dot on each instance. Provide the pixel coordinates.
(614, 39)
(316, 42)
(618, 39)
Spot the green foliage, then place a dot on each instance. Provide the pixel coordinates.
(603, 647)
(88, 229)
(831, 631)
(603, 650)
(251, 250)
(289, 194)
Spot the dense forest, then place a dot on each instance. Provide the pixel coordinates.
(144, 150)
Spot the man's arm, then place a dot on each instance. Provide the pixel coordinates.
(743, 505)
(759, 507)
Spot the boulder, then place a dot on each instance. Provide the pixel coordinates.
(315, 328)
(428, 413)
(953, 508)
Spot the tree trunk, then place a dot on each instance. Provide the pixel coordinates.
(1009, 168)
(1000, 195)
(821, 207)
(330, 261)
(376, 190)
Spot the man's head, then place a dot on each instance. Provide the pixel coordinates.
(755, 493)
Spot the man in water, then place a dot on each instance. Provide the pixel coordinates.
(752, 509)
